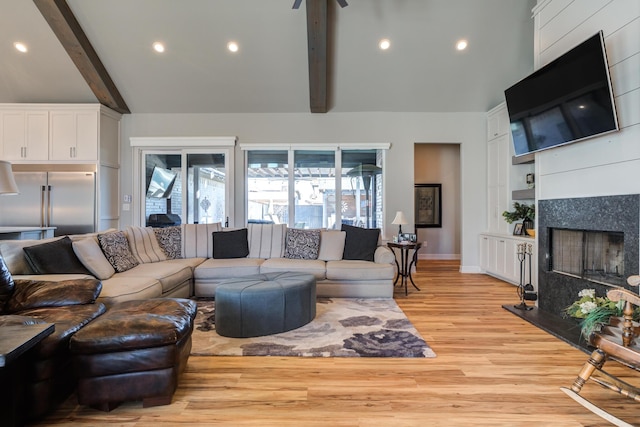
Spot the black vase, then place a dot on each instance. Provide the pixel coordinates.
(528, 224)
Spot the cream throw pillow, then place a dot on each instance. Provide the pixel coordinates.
(331, 245)
(91, 256)
(144, 245)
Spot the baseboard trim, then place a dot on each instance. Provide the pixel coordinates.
(470, 269)
(439, 256)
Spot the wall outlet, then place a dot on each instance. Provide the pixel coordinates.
(126, 198)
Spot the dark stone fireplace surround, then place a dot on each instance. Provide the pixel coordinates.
(607, 213)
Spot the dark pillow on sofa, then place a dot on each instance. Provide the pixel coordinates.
(230, 244)
(360, 243)
(55, 257)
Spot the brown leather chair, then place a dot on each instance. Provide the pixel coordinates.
(69, 304)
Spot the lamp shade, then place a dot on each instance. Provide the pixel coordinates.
(399, 219)
(7, 182)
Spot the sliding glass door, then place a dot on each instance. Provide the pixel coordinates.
(185, 186)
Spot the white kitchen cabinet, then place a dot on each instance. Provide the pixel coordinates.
(24, 134)
(73, 135)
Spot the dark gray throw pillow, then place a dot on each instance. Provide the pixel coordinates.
(360, 243)
(55, 257)
(230, 244)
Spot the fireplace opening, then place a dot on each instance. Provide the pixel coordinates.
(596, 256)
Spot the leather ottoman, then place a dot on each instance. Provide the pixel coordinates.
(135, 351)
(264, 304)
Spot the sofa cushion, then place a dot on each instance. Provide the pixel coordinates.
(227, 268)
(116, 248)
(331, 245)
(43, 293)
(68, 321)
(91, 256)
(168, 274)
(54, 257)
(197, 241)
(310, 266)
(360, 243)
(230, 244)
(266, 240)
(302, 244)
(170, 241)
(118, 289)
(359, 270)
(144, 245)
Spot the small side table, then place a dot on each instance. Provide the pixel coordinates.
(15, 340)
(405, 266)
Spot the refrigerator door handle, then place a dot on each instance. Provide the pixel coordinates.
(42, 206)
(48, 223)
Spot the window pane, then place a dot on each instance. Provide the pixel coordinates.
(315, 188)
(206, 191)
(268, 186)
(163, 189)
(361, 203)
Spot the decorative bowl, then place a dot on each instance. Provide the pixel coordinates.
(531, 232)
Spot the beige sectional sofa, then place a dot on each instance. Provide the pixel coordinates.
(184, 261)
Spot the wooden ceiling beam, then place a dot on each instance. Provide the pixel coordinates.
(317, 42)
(68, 30)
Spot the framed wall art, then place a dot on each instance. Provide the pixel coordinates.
(428, 205)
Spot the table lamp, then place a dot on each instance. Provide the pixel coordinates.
(399, 220)
(7, 182)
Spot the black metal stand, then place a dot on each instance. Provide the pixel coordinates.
(525, 249)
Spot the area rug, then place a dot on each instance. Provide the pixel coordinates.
(343, 327)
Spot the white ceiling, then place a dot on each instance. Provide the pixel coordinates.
(421, 72)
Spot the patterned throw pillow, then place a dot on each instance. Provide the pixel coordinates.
(170, 241)
(302, 244)
(116, 248)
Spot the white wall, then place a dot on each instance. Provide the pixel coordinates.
(402, 130)
(610, 164)
(439, 164)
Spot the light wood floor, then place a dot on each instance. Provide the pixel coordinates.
(491, 369)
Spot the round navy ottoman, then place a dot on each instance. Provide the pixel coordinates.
(264, 304)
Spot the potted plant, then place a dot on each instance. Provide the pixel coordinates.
(521, 211)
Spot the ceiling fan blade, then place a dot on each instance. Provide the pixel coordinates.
(296, 4)
(342, 3)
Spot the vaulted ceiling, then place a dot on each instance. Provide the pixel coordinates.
(421, 71)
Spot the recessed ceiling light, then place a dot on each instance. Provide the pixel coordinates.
(21, 47)
(461, 44)
(233, 46)
(384, 44)
(158, 47)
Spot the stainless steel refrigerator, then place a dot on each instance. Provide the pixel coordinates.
(65, 200)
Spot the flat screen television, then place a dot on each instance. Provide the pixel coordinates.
(161, 183)
(567, 100)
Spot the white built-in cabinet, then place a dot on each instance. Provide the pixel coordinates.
(24, 134)
(499, 257)
(73, 135)
(498, 246)
(498, 161)
(67, 137)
